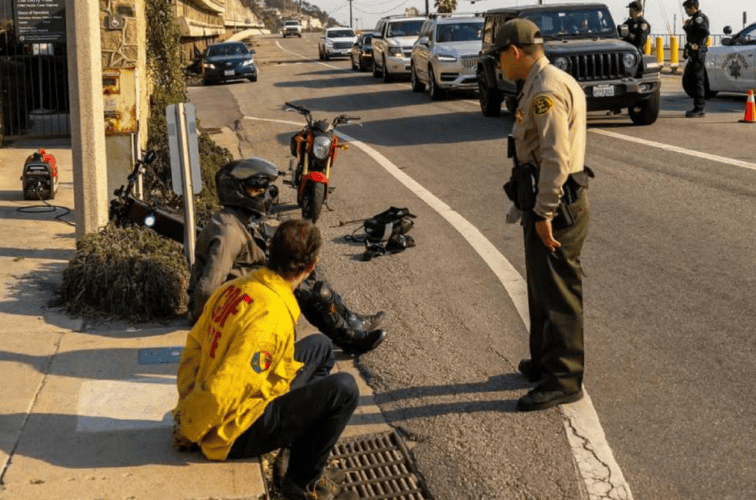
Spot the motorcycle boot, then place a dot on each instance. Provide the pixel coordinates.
(357, 336)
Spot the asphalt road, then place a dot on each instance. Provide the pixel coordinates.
(668, 291)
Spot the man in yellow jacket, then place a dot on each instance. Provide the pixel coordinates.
(246, 388)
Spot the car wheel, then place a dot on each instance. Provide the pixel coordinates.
(376, 73)
(646, 112)
(436, 92)
(490, 99)
(326, 57)
(417, 85)
(320, 54)
(300, 35)
(253, 78)
(387, 78)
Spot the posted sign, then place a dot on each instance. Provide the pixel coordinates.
(40, 21)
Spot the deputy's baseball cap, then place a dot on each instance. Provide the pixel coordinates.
(635, 6)
(515, 32)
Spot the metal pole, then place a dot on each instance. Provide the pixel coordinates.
(190, 231)
(350, 14)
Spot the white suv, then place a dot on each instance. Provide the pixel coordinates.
(291, 28)
(393, 38)
(336, 42)
(445, 57)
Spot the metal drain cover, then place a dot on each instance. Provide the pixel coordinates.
(379, 466)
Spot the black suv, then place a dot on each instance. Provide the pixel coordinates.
(582, 40)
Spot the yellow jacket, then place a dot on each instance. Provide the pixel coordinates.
(238, 357)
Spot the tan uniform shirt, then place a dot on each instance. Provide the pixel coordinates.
(549, 131)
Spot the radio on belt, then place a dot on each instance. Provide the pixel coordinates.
(39, 179)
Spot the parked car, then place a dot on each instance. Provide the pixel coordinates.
(393, 38)
(291, 27)
(362, 52)
(228, 61)
(582, 40)
(445, 56)
(336, 42)
(730, 67)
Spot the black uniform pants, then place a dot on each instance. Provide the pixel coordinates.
(309, 418)
(697, 61)
(555, 299)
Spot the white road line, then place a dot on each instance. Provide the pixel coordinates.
(601, 475)
(675, 149)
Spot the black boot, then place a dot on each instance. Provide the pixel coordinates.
(353, 333)
(365, 323)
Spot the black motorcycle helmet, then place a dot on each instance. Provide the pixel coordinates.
(233, 179)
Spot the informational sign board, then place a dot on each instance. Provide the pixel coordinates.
(40, 21)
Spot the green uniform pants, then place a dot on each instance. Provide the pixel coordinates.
(555, 299)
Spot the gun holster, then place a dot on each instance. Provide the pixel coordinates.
(522, 186)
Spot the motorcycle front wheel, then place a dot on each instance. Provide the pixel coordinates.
(312, 201)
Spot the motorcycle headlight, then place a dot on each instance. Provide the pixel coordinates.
(320, 147)
(629, 59)
(395, 51)
(561, 63)
(446, 58)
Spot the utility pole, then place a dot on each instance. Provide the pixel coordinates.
(350, 13)
(427, 9)
(88, 153)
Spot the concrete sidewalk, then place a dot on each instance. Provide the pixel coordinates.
(82, 416)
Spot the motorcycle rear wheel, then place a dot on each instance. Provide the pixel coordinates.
(312, 201)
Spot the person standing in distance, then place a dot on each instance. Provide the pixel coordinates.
(638, 27)
(549, 134)
(697, 32)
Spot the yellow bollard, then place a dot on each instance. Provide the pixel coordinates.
(674, 54)
(660, 50)
(647, 47)
(709, 41)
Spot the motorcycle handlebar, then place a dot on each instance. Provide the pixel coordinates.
(300, 109)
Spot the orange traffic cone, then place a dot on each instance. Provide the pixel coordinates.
(750, 111)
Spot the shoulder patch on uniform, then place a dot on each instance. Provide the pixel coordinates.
(644, 26)
(699, 19)
(542, 104)
(261, 361)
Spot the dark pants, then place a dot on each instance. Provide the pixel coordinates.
(555, 299)
(309, 418)
(698, 74)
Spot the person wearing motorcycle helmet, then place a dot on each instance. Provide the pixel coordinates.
(235, 242)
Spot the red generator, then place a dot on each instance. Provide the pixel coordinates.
(39, 179)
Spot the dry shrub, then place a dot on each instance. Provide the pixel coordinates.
(131, 274)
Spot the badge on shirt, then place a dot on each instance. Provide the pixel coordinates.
(519, 116)
(542, 104)
(644, 26)
(261, 361)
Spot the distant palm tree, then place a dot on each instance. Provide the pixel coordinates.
(445, 6)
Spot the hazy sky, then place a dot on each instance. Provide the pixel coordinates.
(659, 13)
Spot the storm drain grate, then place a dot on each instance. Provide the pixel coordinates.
(379, 466)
